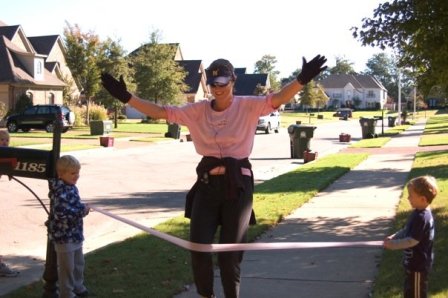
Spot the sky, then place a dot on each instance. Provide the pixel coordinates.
(237, 30)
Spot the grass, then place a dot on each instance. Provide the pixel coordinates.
(381, 140)
(390, 276)
(135, 131)
(436, 131)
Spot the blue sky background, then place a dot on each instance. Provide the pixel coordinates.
(238, 30)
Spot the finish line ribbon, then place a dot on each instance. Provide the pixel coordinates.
(221, 247)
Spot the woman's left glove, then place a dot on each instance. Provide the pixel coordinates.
(311, 69)
(116, 88)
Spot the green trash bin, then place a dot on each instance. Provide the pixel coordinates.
(300, 136)
(173, 131)
(368, 127)
(100, 127)
(391, 121)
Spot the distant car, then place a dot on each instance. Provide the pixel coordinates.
(343, 113)
(41, 117)
(288, 107)
(269, 122)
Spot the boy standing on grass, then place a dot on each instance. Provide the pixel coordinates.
(66, 227)
(417, 237)
(5, 271)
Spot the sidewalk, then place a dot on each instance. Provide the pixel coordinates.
(357, 207)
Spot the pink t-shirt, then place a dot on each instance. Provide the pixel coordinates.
(229, 133)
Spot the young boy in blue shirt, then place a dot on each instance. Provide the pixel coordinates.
(417, 237)
(66, 227)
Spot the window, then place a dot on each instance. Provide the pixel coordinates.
(51, 98)
(370, 94)
(39, 67)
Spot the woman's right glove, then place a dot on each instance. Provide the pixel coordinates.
(311, 69)
(116, 88)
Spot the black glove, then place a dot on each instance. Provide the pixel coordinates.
(116, 88)
(311, 69)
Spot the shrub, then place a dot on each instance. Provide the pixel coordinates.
(97, 112)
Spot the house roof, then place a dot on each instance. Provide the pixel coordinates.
(246, 84)
(43, 44)
(358, 81)
(9, 31)
(193, 77)
(12, 69)
(240, 70)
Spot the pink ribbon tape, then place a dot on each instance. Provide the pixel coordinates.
(237, 246)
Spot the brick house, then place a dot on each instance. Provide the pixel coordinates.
(34, 66)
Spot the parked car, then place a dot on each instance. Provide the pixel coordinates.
(343, 113)
(41, 117)
(269, 122)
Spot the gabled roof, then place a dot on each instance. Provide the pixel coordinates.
(339, 81)
(240, 70)
(193, 77)
(13, 71)
(9, 31)
(43, 44)
(51, 66)
(246, 84)
(6, 72)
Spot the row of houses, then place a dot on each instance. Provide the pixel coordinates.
(36, 66)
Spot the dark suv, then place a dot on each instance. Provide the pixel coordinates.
(41, 117)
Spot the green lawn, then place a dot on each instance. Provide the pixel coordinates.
(135, 131)
(390, 277)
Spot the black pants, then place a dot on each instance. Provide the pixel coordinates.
(212, 208)
(416, 284)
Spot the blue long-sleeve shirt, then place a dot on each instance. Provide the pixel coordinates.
(66, 224)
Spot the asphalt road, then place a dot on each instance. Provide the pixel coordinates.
(146, 184)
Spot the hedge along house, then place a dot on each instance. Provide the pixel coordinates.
(354, 91)
(23, 70)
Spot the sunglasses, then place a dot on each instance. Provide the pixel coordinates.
(217, 84)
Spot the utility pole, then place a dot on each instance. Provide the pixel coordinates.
(415, 102)
(399, 97)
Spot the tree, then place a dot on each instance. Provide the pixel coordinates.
(267, 65)
(343, 66)
(67, 91)
(23, 103)
(383, 68)
(112, 60)
(157, 75)
(321, 97)
(82, 53)
(260, 90)
(417, 32)
(313, 95)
